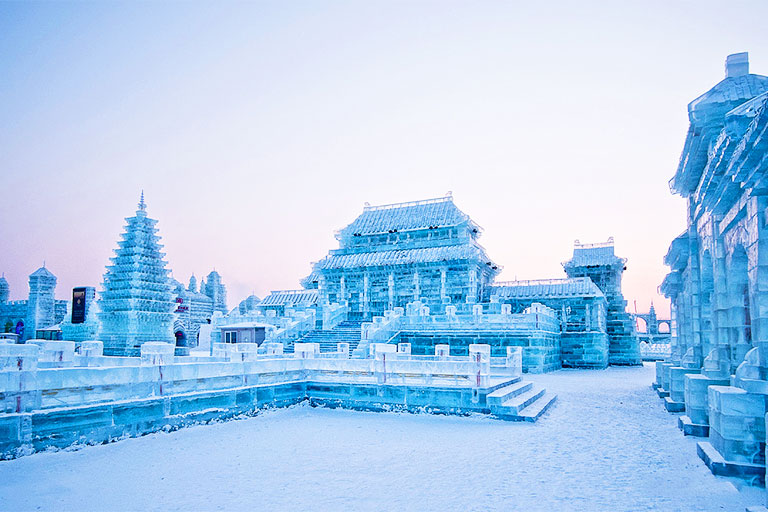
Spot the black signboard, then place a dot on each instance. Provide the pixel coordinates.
(78, 305)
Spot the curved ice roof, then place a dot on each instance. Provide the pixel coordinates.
(591, 255)
(547, 288)
(429, 213)
(403, 257)
(290, 298)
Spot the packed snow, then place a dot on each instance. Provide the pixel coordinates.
(607, 444)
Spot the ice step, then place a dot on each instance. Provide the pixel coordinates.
(523, 400)
(501, 395)
(539, 407)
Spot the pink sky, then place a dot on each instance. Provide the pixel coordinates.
(257, 130)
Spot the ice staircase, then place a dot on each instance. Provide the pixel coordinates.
(519, 400)
(347, 331)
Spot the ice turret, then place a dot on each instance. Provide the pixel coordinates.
(737, 64)
(5, 290)
(41, 307)
(216, 291)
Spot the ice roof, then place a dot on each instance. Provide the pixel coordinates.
(731, 90)
(592, 255)
(404, 257)
(290, 298)
(547, 288)
(42, 272)
(429, 213)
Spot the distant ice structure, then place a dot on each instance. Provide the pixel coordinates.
(137, 301)
(599, 263)
(5, 290)
(214, 289)
(42, 302)
(40, 311)
(193, 310)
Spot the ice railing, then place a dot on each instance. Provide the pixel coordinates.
(655, 350)
(89, 377)
(293, 325)
(417, 316)
(333, 315)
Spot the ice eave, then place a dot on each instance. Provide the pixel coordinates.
(677, 254)
(671, 285)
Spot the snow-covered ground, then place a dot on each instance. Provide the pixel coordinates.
(607, 444)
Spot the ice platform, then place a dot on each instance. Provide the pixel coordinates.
(690, 428)
(95, 404)
(754, 473)
(672, 406)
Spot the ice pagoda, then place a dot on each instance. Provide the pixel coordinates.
(137, 301)
(399, 253)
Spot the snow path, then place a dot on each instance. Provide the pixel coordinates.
(606, 445)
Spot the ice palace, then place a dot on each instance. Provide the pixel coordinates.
(406, 315)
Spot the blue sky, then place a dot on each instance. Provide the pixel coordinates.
(258, 129)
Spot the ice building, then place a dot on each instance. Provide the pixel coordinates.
(655, 330)
(137, 302)
(394, 254)
(718, 280)
(582, 312)
(193, 309)
(280, 300)
(415, 273)
(248, 304)
(40, 311)
(600, 264)
(213, 288)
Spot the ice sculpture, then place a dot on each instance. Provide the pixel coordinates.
(137, 301)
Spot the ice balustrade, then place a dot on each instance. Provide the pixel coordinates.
(55, 354)
(417, 317)
(334, 314)
(655, 351)
(158, 372)
(293, 325)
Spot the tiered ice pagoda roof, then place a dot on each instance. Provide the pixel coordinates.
(415, 215)
(403, 257)
(546, 289)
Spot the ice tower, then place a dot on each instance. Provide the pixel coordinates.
(599, 263)
(216, 291)
(5, 290)
(41, 307)
(137, 301)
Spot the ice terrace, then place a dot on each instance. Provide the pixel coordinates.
(52, 395)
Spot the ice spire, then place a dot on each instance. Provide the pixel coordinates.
(142, 204)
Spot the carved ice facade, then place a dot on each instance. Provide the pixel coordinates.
(718, 284)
